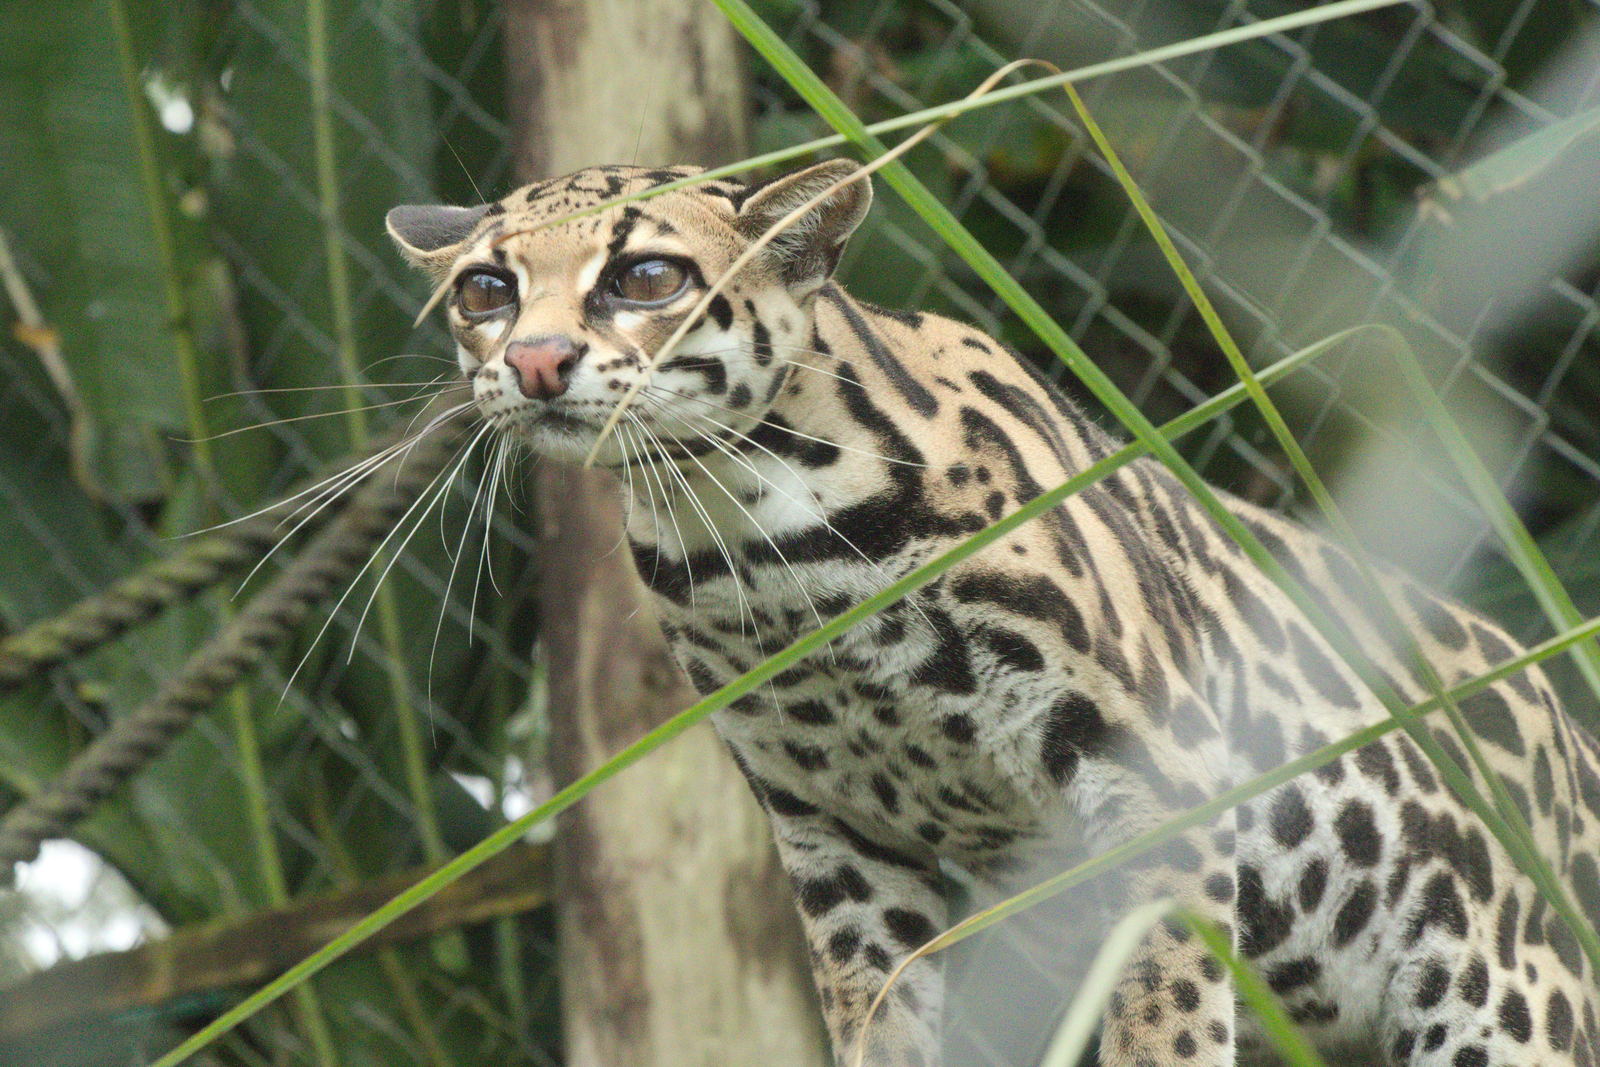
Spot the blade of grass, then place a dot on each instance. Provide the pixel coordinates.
(451, 950)
(1280, 1029)
(1510, 827)
(1150, 57)
(748, 682)
(509, 834)
(1083, 1014)
(1524, 551)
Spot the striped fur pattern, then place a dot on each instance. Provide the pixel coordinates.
(1091, 675)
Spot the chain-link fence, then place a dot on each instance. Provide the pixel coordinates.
(1313, 180)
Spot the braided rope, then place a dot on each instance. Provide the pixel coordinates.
(332, 558)
(98, 619)
(104, 616)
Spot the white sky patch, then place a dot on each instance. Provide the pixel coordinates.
(77, 905)
(171, 104)
(516, 798)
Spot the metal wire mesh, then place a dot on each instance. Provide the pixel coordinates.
(1289, 171)
(1273, 221)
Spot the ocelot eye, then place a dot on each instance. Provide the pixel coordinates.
(484, 291)
(651, 281)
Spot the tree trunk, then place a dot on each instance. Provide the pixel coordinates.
(679, 943)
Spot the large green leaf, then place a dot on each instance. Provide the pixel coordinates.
(80, 219)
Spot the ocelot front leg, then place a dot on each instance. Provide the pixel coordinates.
(864, 907)
(1174, 1005)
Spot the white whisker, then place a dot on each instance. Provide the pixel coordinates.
(313, 415)
(820, 513)
(716, 536)
(334, 612)
(387, 452)
(794, 576)
(432, 497)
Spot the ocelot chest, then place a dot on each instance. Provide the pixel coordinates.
(901, 727)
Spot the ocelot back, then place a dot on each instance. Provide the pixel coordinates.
(1093, 674)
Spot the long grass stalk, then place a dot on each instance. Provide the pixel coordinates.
(951, 109)
(414, 765)
(1082, 1018)
(1232, 798)
(1519, 544)
(1257, 995)
(395, 972)
(1510, 827)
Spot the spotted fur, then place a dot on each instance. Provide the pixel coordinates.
(1086, 678)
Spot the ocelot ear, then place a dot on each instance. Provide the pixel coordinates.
(808, 249)
(429, 235)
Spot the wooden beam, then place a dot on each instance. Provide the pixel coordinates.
(247, 952)
(679, 943)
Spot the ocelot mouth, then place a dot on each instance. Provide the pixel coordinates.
(562, 422)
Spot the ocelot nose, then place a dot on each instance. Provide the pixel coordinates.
(542, 365)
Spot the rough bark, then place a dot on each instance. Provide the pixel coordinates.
(679, 944)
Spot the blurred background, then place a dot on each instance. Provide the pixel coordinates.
(191, 242)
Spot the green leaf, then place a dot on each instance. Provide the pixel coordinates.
(83, 232)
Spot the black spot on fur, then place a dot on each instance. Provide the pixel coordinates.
(911, 928)
(1474, 982)
(1558, 1021)
(1440, 623)
(959, 728)
(1492, 719)
(1313, 882)
(1264, 922)
(1290, 817)
(1440, 907)
(1293, 974)
(1515, 1018)
(1358, 833)
(1033, 596)
(1012, 649)
(905, 383)
(818, 896)
(948, 668)
(1074, 727)
(1432, 986)
(1506, 932)
(1377, 763)
(1355, 913)
(1319, 670)
(806, 757)
(886, 793)
(782, 802)
(844, 944)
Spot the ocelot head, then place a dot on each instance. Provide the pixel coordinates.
(556, 313)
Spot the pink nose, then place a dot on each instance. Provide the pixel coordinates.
(542, 365)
